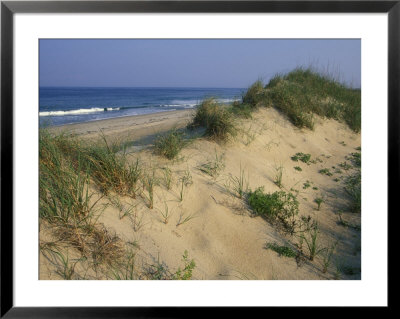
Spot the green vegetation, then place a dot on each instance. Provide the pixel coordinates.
(311, 241)
(304, 92)
(305, 158)
(278, 206)
(213, 167)
(184, 219)
(278, 175)
(306, 185)
(185, 181)
(281, 250)
(238, 185)
(298, 168)
(345, 223)
(186, 272)
(327, 256)
(254, 94)
(218, 121)
(319, 201)
(325, 171)
(241, 110)
(169, 144)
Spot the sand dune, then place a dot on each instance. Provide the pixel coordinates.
(223, 237)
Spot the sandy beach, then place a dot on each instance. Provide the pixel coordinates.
(129, 127)
(220, 233)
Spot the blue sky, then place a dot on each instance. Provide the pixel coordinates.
(191, 63)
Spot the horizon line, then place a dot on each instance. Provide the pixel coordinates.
(142, 87)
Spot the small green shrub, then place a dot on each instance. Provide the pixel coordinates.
(280, 206)
(186, 272)
(325, 171)
(298, 168)
(306, 185)
(281, 250)
(305, 158)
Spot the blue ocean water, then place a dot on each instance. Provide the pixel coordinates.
(58, 106)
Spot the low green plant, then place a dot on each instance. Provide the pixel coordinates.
(319, 201)
(305, 158)
(278, 206)
(187, 271)
(325, 171)
(170, 144)
(281, 250)
(298, 168)
(345, 165)
(306, 185)
(213, 167)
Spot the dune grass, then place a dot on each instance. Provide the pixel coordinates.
(170, 144)
(304, 92)
(218, 121)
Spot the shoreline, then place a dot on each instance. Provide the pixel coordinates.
(134, 127)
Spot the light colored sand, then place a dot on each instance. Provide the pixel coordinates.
(129, 127)
(223, 238)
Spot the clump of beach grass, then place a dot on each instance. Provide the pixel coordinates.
(111, 170)
(185, 181)
(213, 167)
(170, 144)
(304, 92)
(254, 94)
(238, 185)
(219, 123)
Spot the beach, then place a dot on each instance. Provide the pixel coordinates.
(218, 229)
(129, 127)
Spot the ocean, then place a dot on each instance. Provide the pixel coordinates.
(58, 106)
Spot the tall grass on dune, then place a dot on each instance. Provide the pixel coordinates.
(63, 188)
(111, 170)
(170, 144)
(218, 121)
(254, 94)
(304, 92)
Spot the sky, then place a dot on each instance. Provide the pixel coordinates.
(191, 63)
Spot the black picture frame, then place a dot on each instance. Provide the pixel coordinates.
(9, 8)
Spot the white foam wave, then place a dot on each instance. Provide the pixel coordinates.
(77, 112)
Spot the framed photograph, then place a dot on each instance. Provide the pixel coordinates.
(160, 155)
